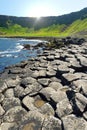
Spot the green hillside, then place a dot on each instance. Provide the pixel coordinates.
(78, 27)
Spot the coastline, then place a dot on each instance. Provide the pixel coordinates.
(48, 91)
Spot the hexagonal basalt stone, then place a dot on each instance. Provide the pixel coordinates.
(15, 114)
(81, 101)
(64, 108)
(44, 81)
(52, 123)
(10, 102)
(71, 122)
(32, 121)
(55, 85)
(47, 92)
(58, 96)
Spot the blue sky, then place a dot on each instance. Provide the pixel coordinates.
(39, 8)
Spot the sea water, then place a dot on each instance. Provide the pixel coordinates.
(12, 52)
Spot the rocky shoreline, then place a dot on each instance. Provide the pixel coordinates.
(48, 92)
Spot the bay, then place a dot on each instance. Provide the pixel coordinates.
(12, 52)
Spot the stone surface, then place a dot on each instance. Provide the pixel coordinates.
(10, 103)
(64, 108)
(55, 85)
(44, 81)
(2, 111)
(71, 122)
(58, 96)
(52, 123)
(7, 126)
(15, 114)
(9, 93)
(47, 92)
(32, 121)
(81, 101)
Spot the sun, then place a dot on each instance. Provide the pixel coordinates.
(38, 11)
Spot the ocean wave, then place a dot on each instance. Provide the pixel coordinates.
(6, 55)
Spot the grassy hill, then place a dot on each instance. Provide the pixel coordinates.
(77, 28)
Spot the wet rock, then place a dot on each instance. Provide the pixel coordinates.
(27, 46)
(47, 92)
(10, 102)
(71, 122)
(15, 114)
(33, 120)
(64, 108)
(9, 93)
(81, 101)
(52, 123)
(44, 81)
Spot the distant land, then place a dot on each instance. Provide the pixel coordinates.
(74, 23)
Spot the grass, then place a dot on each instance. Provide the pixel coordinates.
(78, 27)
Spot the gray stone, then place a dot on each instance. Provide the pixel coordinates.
(58, 96)
(35, 74)
(71, 122)
(28, 80)
(52, 123)
(19, 91)
(2, 111)
(83, 61)
(33, 88)
(10, 102)
(51, 73)
(64, 108)
(81, 101)
(15, 114)
(85, 115)
(80, 85)
(47, 92)
(29, 103)
(7, 126)
(1, 97)
(3, 87)
(12, 82)
(44, 81)
(32, 121)
(55, 85)
(71, 77)
(47, 110)
(9, 93)
(50, 57)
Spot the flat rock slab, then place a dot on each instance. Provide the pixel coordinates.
(52, 123)
(71, 122)
(64, 108)
(44, 81)
(32, 121)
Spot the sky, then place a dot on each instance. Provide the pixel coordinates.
(38, 8)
